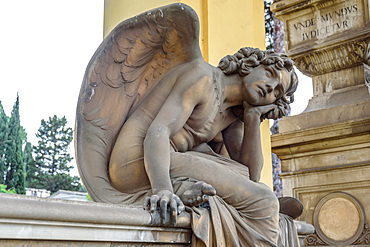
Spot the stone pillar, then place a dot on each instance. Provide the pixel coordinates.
(325, 151)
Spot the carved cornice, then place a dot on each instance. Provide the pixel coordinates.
(281, 7)
(326, 4)
(334, 58)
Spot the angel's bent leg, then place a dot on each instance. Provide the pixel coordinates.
(247, 212)
(126, 167)
(230, 179)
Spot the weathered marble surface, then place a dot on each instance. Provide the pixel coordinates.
(53, 222)
(325, 149)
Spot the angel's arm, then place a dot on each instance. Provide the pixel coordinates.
(170, 119)
(243, 140)
(243, 143)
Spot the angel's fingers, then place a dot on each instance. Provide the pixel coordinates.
(180, 205)
(205, 198)
(282, 112)
(277, 114)
(173, 207)
(153, 203)
(146, 203)
(164, 213)
(268, 108)
(270, 114)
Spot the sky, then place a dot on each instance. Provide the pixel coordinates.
(45, 46)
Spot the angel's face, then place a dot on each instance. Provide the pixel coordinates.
(265, 84)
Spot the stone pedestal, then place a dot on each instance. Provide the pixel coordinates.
(30, 221)
(325, 151)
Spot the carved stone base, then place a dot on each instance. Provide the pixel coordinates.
(27, 221)
(37, 243)
(337, 88)
(30, 221)
(321, 160)
(341, 118)
(324, 151)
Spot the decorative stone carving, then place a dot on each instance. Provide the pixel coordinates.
(326, 148)
(324, 36)
(314, 240)
(339, 219)
(332, 59)
(364, 239)
(367, 68)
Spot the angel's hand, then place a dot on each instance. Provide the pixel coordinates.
(271, 111)
(282, 110)
(164, 207)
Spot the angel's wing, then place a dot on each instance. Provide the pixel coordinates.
(128, 63)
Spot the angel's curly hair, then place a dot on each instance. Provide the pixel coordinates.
(247, 58)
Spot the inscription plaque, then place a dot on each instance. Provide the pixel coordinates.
(325, 22)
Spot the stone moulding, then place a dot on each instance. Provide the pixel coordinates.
(316, 133)
(363, 240)
(324, 36)
(332, 59)
(367, 68)
(315, 240)
(356, 222)
(26, 221)
(27, 218)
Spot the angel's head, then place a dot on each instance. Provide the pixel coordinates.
(267, 77)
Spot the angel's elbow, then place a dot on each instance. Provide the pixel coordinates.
(156, 133)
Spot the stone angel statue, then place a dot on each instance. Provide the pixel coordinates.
(158, 126)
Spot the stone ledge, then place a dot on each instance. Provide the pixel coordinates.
(45, 243)
(29, 218)
(311, 135)
(321, 118)
(35, 221)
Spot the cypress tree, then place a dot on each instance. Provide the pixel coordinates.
(3, 141)
(32, 172)
(15, 176)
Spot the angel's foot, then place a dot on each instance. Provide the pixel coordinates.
(199, 193)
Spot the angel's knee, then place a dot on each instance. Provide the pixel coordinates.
(261, 204)
(129, 177)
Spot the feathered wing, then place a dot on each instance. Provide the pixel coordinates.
(128, 63)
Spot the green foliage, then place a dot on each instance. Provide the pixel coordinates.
(30, 165)
(4, 190)
(88, 197)
(269, 25)
(51, 170)
(14, 163)
(3, 141)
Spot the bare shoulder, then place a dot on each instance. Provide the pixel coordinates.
(195, 77)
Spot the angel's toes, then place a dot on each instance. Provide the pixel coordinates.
(188, 197)
(196, 201)
(208, 189)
